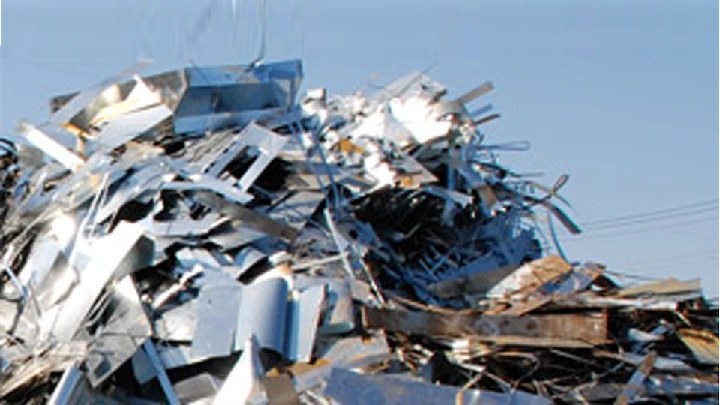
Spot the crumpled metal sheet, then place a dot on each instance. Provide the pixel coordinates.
(203, 235)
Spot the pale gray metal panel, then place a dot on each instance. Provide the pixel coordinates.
(263, 310)
(129, 126)
(217, 315)
(349, 387)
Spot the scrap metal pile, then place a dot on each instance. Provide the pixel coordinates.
(199, 236)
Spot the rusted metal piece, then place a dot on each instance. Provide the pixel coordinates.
(703, 344)
(588, 328)
(668, 286)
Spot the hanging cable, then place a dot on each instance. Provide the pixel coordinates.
(590, 236)
(659, 218)
(676, 209)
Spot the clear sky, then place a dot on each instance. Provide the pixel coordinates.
(623, 96)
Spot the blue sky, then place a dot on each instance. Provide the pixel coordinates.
(623, 96)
